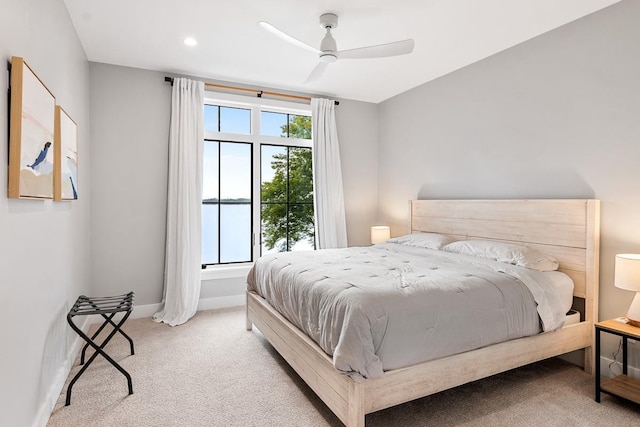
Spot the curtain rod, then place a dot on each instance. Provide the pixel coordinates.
(257, 92)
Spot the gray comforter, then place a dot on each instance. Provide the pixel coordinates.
(390, 306)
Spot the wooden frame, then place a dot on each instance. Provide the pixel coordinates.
(566, 229)
(65, 179)
(31, 130)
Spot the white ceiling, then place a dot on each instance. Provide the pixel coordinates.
(448, 34)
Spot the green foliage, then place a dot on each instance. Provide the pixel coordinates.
(287, 201)
(299, 127)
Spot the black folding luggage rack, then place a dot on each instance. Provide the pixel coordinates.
(107, 307)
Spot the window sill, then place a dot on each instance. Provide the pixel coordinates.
(225, 272)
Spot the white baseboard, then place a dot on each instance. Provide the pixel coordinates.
(221, 302)
(148, 310)
(42, 418)
(605, 362)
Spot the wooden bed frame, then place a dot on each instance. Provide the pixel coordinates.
(566, 229)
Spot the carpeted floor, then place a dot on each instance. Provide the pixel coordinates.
(212, 372)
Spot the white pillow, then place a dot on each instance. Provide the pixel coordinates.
(504, 252)
(423, 240)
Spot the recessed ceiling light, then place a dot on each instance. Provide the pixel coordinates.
(190, 41)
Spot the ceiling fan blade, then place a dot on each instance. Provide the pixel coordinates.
(317, 72)
(379, 51)
(287, 37)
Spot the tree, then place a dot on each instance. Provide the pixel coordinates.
(287, 200)
(299, 127)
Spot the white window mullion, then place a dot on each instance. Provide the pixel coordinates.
(255, 133)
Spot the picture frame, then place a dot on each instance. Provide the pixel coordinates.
(31, 135)
(65, 180)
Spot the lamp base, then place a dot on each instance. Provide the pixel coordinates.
(633, 314)
(632, 322)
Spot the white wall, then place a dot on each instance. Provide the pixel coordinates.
(556, 116)
(130, 111)
(44, 246)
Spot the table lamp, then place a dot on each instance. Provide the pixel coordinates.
(627, 276)
(380, 234)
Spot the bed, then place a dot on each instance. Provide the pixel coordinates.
(568, 230)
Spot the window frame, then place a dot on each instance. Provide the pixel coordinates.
(255, 105)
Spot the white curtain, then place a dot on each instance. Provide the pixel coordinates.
(184, 204)
(331, 226)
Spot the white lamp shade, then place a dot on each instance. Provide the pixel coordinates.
(627, 275)
(380, 234)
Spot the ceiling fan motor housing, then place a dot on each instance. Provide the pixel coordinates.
(328, 45)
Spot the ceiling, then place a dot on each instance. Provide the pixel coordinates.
(448, 34)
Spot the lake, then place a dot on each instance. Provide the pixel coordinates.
(235, 234)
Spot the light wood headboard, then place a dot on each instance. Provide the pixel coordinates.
(567, 229)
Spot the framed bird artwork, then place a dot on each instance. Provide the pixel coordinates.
(65, 179)
(31, 134)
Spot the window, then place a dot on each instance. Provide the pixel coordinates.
(285, 125)
(227, 119)
(255, 152)
(226, 202)
(286, 198)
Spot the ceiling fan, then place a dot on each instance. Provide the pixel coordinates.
(329, 52)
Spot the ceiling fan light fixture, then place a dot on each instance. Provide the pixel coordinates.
(328, 57)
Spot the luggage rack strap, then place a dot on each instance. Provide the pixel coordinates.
(85, 305)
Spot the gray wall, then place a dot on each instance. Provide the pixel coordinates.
(44, 246)
(358, 135)
(130, 111)
(557, 116)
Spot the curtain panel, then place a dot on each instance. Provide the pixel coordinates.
(184, 204)
(331, 226)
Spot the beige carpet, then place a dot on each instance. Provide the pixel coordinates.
(211, 372)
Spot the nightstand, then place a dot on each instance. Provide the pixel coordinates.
(622, 386)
